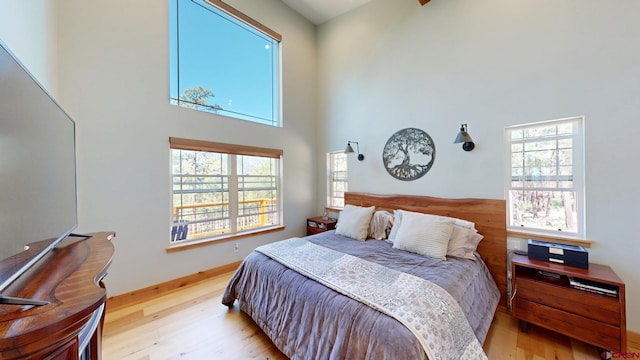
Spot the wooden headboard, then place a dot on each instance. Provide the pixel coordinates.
(489, 215)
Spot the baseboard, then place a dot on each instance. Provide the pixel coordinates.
(633, 339)
(150, 292)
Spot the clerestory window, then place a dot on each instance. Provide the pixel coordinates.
(223, 62)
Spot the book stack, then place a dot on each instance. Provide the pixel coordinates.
(592, 286)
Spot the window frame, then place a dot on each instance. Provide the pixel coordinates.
(331, 182)
(248, 24)
(578, 178)
(233, 150)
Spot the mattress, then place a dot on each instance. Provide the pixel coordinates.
(307, 320)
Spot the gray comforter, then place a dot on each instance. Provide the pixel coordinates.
(307, 320)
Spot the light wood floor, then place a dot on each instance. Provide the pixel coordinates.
(191, 323)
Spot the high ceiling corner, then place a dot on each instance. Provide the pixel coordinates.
(320, 11)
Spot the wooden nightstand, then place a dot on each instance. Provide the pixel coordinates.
(317, 225)
(543, 296)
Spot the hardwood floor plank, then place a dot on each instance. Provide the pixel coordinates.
(582, 351)
(558, 350)
(190, 323)
(502, 337)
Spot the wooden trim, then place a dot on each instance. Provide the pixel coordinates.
(220, 239)
(138, 296)
(489, 216)
(633, 340)
(201, 145)
(218, 4)
(549, 237)
(424, 1)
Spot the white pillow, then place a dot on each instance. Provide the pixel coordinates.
(463, 242)
(465, 224)
(354, 221)
(424, 234)
(380, 224)
(397, 220)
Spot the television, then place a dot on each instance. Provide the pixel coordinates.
(38, 206)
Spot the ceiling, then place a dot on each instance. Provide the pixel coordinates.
(320, 11)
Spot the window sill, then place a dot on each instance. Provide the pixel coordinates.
(206, 242)
(568, 240)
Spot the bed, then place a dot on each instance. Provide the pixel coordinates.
(309, 317)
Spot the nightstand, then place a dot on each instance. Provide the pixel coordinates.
(317, 225)
(590, 307)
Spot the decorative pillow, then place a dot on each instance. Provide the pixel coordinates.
(465, 224)
(424, 234)
(354, 221)
(380, 224)
(463, 242)
(397, 220)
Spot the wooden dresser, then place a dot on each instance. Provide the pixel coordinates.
(542, 295)
(70, 325)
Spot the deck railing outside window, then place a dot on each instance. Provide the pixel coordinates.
(221, 190)
(211, 219)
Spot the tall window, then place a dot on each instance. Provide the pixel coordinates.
(223, 62)
(221, 189)
(337, 178)
(545, 176)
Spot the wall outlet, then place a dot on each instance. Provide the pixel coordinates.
(517, 244)
(236, 246)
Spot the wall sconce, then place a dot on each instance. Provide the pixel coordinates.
(349, 149)
(463, 137)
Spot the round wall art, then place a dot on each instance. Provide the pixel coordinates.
(409, 154)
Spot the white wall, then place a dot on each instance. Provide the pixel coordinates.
(29, 29)
(114, 81)
(383, 67)
(394, 64)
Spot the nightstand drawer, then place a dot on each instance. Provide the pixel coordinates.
(581, 328)
(315, 230)
(317, 225)
(593, 306)
(544, 296)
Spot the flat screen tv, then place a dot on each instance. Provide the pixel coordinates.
(38, 207)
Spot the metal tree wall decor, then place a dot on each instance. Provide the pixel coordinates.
(409, 154)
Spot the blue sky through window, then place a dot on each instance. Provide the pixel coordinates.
(237, 63)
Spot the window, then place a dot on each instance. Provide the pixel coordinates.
(545, 176)
(337, 178)
(221, 189)
(223, 62)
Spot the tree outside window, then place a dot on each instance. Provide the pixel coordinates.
(545, 176)
(221, 189)
(223, 62)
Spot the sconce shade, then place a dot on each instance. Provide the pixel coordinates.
(349, 149)
(464, 137)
